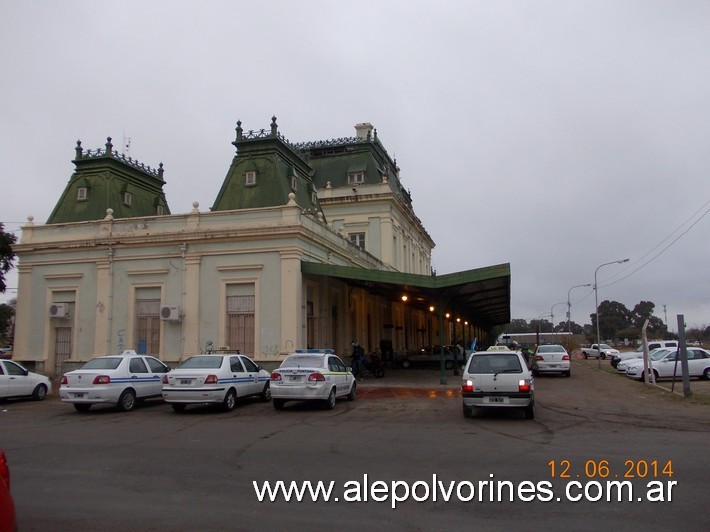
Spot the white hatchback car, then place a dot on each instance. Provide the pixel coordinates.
(551, 359)
(315, 374)
(497, 379)
(118, 379)
(16, 381)
(216, 379)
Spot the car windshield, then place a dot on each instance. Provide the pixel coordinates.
(202, 362)
(658, 354)
(302, 361)
(103, 363)
(604, 346)
(495, 363)
(551, 349)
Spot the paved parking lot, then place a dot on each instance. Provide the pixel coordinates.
(153, 469)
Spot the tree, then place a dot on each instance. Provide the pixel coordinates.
(518, 326)
(6, 314)
(641, 312)
(614, 317)
(7, 255)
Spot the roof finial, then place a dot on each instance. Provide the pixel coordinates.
(239, 130)
(78, 149)
(109, 146)
(274, 127)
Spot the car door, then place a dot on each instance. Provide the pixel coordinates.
(157, 370)
(18, 383)
(4, 380)
(697, 362)
(140, 377)
(337, 373)
(239, 377)
(252, 371)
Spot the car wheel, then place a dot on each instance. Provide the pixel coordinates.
(82, 407)
(179, 407)
(584, 356)
(467, 412)
(706, 374)
(40, 392)
(266, 394)
(351, 395)
(230, 400)
(529, 412)
(127, 401)
(330, 402)
(405, 363)
(603, 356)
(278, 404)
(567, 373)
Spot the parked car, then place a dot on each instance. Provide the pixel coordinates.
(635, 356)
(638, 352)
(606, 351)
(216, 379)
(8, 520)
(664, 364)
(497, 379)
(312, 375)
(117, 379)
(551, 359)
(429, 356)
(16, 381)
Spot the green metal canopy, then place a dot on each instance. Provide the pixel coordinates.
(481, 295)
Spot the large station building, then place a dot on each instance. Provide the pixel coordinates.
(307, 245)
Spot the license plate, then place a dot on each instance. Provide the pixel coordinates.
(295, 378)
(79, 394)
(185, 381)
(496, 399)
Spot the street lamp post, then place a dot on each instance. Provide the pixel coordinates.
(596, 306)
(569, 307)
(552, 314)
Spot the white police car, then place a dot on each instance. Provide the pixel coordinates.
(314, 374)
(215, 379)
(118, 379)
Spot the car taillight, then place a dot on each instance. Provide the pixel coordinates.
(165, 379)
(64, 379)
(524, 385)
(467, 386)
(4, 470)
(102, 379)
(211, 379)
(565, 357)
(316, 377)
(539, 357)
(276, 376)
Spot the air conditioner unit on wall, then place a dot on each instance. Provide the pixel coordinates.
(58, 310)
(170, 313)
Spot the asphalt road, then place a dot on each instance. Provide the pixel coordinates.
(153, 469)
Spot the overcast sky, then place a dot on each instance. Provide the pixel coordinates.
(553, 135)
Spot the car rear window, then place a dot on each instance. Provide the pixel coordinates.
(551, 349)
(208, 362)
(495, 363)
(302, 361)
(103, 363)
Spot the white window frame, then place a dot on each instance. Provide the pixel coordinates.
(294, 183)
(250, 178)
(357, 239)
(82, 193)
(127, 199)
(356, 178)
(160, 210)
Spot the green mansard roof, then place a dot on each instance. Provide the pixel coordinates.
(264, 172)
(105, 179)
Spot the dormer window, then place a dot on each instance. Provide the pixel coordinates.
(250, 178)
(314, 197)
(127, 199)
(294, 183)
(356, 178)
(160, 210)
(82, 193)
